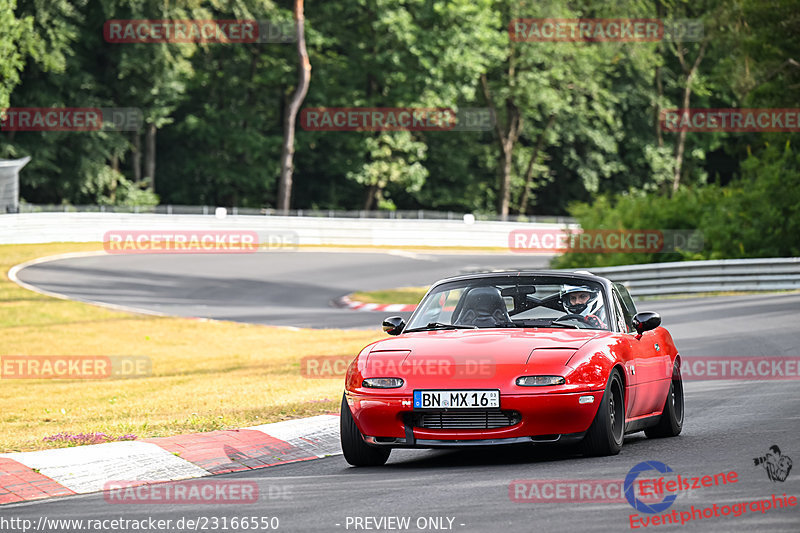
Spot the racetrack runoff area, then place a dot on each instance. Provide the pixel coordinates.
(205, 375)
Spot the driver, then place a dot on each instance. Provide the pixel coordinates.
(586, 302)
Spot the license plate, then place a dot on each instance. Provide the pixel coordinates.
(456, 399)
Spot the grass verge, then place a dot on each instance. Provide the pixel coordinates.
(403, 295)
(206, 375)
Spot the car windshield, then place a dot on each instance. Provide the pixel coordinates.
(513, 301)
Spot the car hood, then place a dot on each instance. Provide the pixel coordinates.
(503, 346)
(467, 359)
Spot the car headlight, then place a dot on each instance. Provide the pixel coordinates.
(539, 381)
(382, 383)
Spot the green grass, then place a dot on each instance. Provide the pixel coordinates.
(206, 375)
(403, 295)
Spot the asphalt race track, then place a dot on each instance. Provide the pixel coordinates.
(728, 423)
(277, 288)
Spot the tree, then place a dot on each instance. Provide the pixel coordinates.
(304, 69)
(381, 53)
(690, 70)
(16, 46)
(574, 120)
(394, 157)
(553, 93)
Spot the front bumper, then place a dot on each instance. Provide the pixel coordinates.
(412, 442)
(544, 417)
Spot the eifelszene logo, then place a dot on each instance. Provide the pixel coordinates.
(635, 502)
(670, 487)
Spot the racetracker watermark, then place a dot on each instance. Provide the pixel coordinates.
(145, 524)
(740, 368)
(324, 366)
(604, 30)
(604, 241)
(197, 241)
(335, 366)
(198, 31)
(201, 492)
(599, 490)
(397, 119)
(71, 119)
(566, 490)
(730, 120)
(74, 366)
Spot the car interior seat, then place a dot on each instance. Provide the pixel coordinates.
(483, 307)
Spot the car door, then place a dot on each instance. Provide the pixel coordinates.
(627, 353)
(648, 359)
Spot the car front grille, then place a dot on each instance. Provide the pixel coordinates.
(467, 420)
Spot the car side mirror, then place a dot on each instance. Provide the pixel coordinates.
(645, 321)
(394, 325)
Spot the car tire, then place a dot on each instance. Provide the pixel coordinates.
(356, 451)
(670, 423)
(607, 431)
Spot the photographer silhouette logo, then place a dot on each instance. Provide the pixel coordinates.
(777, 465)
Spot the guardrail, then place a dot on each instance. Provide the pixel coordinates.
(417, 214)
(745, 275)
(687, 277)
(29, 228)
(656, 279)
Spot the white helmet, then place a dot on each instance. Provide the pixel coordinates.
(593, 305)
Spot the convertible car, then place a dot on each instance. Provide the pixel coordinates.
(509, 358)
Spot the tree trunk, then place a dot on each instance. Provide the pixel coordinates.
(505, 180)
(287, 153)
(112, 195)
(506, 139)
(372, 197)
(680, 146)
(150, 156)
(659, 93)
(658, 84)
(137, 157)
(523, 204)
(687, 94)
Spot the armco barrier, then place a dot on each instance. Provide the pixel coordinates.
(687, 277)
(26, 228)
(656, 279)
(170, 209)
(642, 280)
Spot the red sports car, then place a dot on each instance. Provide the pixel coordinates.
(509, 358)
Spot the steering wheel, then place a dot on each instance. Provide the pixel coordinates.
(580, 318)
(571, 316)
(592, 321)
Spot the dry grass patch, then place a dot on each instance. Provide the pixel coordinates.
(207, 375)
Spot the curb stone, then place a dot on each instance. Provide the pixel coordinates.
(84, 469)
